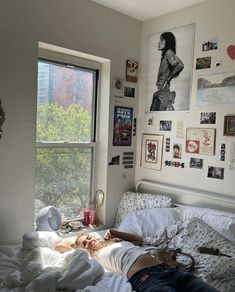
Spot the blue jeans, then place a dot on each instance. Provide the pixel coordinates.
(163, 278)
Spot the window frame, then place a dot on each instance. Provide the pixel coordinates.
(70, 61)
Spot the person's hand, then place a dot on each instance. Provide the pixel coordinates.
(108, 234)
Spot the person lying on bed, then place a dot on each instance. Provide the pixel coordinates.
(127, 257)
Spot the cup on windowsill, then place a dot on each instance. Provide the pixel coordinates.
(86, 217)
(92, 217)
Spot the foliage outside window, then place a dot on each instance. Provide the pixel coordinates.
(65, 137)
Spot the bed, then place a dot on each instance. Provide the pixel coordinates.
(156, 211)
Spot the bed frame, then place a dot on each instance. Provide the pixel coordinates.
(189, 196)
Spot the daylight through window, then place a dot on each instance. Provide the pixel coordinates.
(66, 103)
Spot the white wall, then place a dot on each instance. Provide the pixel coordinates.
(78, 25)
(213, 18)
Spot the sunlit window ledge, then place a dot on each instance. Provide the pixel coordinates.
(88, 229)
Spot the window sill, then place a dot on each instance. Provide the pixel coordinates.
(88, 229)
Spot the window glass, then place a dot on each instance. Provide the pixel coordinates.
(65, 137)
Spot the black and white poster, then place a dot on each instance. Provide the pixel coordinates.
(169, 69)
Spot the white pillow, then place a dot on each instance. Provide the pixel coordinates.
(222, 222)
(36, 239)
(149, 222)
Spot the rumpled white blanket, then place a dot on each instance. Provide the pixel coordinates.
(44, 269)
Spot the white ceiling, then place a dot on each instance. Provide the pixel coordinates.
(146, 9)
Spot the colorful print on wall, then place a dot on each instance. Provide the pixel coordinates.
(208, 118)
(165, 92)
(151, 154)
(218, 88)
(200, 141)
(122, 129)
(203, 63)
(215, 172)
(131, 71)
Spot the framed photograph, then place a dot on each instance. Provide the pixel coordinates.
(122, 128)
(164, 92)
(151, 155)
(200, 141)
(131, 71)
(229, 126)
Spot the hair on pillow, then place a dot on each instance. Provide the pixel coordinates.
(36, 239)
(149, 222)
(222, 222)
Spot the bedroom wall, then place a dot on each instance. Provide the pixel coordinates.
(78, 25)
(213, 19)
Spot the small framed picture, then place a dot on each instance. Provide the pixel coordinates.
(229, 126)
(151, 153)
(131, 71)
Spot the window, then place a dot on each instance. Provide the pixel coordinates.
(66, 111)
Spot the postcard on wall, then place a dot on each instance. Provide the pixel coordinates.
(122, 128)
(218, 88)
(131, 71)
(168, 86)
(151, 155)
(200, 141)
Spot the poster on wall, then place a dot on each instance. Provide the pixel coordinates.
(151, 153)
(169, 69)
(217, 88)
(122, 128)
(200, 141)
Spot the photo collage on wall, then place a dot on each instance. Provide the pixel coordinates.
(214, 87)
(124, 122)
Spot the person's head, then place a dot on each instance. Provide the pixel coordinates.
(167, 41)
(88, 242)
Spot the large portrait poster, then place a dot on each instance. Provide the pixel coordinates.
(169, 69)
(122, 128)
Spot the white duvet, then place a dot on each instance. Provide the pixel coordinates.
(43, 269)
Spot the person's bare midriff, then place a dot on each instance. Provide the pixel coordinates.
(143, 261)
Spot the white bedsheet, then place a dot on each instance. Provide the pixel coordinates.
(44, 269)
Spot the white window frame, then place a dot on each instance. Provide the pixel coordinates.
(71, 61)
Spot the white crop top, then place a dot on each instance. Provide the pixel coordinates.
(119, 257)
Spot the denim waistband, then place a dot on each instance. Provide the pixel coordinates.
(143, 274)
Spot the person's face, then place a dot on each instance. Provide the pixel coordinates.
(88, 242)
(161, 44)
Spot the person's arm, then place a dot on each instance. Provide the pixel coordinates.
(135, 239)
(175, 62)
(63, 247)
